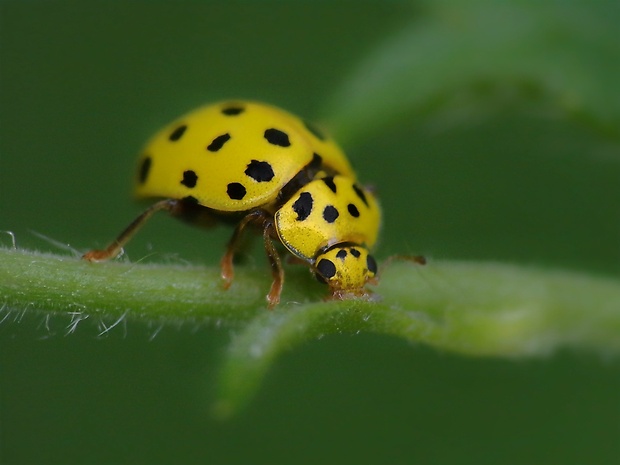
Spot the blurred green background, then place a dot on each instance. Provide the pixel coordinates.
(496, 175)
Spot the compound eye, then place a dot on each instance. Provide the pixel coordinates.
(372, 264)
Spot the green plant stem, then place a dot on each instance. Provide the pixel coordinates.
(477, 309)
(60, 284)
(483, 309)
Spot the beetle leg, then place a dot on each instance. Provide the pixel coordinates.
(117, 245)
(226, 263)
(273, 298)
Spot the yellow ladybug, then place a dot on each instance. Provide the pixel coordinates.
(255, 165)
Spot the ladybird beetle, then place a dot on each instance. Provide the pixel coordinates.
(251, 164)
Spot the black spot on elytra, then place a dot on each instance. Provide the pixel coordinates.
(145, 168)
(314, 130)
(177, 133)
(356, 253)
(277, 137)
(260, 171)
(218, 142)
(189, 178)
(233, 111)
(330, 214)
(342, 254)
(303, 206)
(353, 210)
(360, 194)
(236, 191)
(372, 264)
(326, 268)
(329, 182)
